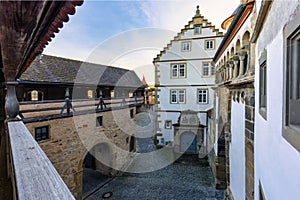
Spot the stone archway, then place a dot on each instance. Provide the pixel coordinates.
(99, 158)
(96, 165)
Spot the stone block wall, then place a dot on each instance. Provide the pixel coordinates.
(71, 138)
(249, 144)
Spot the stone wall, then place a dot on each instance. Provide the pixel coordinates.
(71, 138)
(249, 143)
(218, 159)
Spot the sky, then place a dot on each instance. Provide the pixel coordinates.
(129, 34)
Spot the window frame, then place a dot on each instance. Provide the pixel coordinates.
(178, 68)
(200, 30)
(90, 94)
(212, 70)
(291, 30)
(263, 85)
(183, 47)
(213, 46)
(177, 91)
(34, 95)
(168, 124)
(48, 133)
(207, 95)
(208, 69)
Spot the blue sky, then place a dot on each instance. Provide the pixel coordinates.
(130, 34)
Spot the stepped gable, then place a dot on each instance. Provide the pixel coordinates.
(198, 20)
(52, 69)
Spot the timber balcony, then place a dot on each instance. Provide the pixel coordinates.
(31, 173)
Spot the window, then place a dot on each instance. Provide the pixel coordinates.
(212, 71)
(263, 85)
(197, 30)
(168, 124)
(41, 133)
(186, 46)
(34, 95)
(178, 70)
(209, 44)
(202, 96)
(112, 93)
(205, 69)
(181, 96)
(173, 96)
(292, 82)
(178, 96)
(90, 94)
(99, 121)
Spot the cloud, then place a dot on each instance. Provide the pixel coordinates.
(115, 32)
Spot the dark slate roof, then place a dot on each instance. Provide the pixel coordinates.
(53, 69)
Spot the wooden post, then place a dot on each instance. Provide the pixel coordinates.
(11, 103)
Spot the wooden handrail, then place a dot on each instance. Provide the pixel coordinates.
(35, 177)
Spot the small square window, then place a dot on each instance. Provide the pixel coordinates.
(99, 121)
(41, 133)
(197, 30)
(209, 44)
(168, 124)
(90, 94)
(186, 46)
(34, 95)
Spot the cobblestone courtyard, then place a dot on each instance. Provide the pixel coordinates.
(177, 181)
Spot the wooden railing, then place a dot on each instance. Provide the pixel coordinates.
(34, 177)
(40, 110)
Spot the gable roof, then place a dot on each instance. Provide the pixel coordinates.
(52, 69)
(197, 20)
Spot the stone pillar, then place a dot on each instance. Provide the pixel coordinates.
(230, 63)
(236, 66)
(241, 57)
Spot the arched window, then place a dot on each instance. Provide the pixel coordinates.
(112, 94)
(34, 95)
(90, 94)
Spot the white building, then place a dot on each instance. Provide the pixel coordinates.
(184, 75)
(277, 107)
